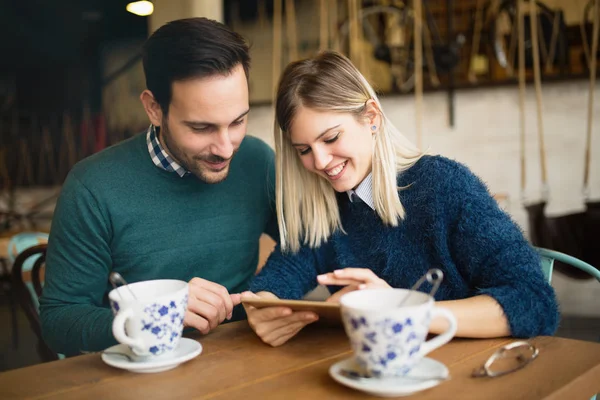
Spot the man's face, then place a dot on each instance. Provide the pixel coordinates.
(206, 123)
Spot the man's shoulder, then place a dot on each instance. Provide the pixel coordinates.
(103, 164)
(254, 145)
(254, 155)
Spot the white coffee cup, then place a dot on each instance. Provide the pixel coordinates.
(150, 323)
(388, 339)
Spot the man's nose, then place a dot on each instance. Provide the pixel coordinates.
(222, 145)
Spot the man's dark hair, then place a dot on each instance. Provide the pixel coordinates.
(187, 49)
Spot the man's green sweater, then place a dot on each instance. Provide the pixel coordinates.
(119, 212)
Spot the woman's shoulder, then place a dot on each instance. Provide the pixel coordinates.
(434, 176)
(434, 169)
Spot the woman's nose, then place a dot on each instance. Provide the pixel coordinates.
(321, 159)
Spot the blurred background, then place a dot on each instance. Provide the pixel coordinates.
(447, 72)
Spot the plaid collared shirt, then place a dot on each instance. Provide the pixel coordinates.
(159, 156)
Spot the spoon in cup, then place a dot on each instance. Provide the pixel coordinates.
(434, 276)
(116, 279)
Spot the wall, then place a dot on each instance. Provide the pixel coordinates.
(169, 10)
(572, 9)
(260, 37)
(121, 97)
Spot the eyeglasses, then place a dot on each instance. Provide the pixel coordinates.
(507, 359)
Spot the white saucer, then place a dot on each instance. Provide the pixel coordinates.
(392, 387)
(185, 351)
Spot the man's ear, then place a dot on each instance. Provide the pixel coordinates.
(152, 107)
(373, 115)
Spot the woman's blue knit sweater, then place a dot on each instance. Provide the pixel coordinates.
(452, 223)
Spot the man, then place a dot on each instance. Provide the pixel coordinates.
(188, 199)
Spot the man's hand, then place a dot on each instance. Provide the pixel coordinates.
(276, 325)
(209, 304)
(353, 279)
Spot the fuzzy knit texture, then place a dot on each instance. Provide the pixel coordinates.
(119, 212)
(452, 223)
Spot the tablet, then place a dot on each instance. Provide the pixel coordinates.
(329, 313)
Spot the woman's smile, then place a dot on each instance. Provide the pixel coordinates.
(336, 172)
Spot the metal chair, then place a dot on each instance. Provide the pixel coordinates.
(28, 288)
(16, 244)
(549, 256)
(6, 290)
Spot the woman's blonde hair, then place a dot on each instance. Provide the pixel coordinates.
(307, 209)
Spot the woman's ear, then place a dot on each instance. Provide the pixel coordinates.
(373, 115)
(151, 107)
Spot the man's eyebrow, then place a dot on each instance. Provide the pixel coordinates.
(320, 136)
(242, 114)
(203, 123)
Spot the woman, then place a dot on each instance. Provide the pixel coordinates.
(359, 206)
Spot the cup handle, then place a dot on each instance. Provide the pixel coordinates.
(118, 328)
(443, 338)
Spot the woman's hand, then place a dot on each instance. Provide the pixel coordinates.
(275, 325)
(353, 279)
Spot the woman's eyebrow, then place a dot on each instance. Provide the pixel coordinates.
(320, 135)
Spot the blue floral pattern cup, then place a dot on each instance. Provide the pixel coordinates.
(387, 338)
(151, 323)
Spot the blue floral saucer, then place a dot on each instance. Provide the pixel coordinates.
(426, 374)
(120, 356)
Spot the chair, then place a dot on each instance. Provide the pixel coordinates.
(22, 241)
(15, 245)
(6, 290)
(27, 278)
(549, 256)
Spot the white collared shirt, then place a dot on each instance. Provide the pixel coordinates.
(364, 191)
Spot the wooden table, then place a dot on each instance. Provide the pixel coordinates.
(236, 364)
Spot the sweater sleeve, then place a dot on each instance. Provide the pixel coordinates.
(290, 276)
(78, 263)
(494, 257)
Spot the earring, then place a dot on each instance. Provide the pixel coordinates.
(374, 128)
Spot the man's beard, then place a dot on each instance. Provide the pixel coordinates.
(194, 163)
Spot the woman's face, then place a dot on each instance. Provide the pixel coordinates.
(336, 146)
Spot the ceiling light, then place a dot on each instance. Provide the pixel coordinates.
(141, 8)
